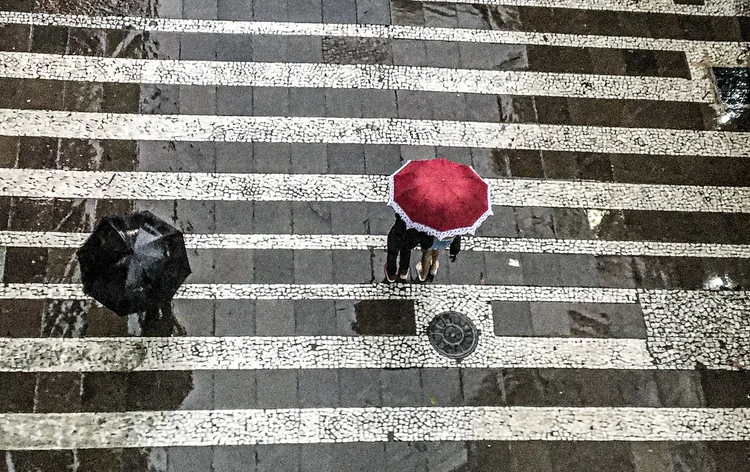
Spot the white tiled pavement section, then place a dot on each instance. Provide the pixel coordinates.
(45, 183)
(315, 352)
(357, 76)
(448, 293)
(687, 330)
(81, 125)
(711, 7)
(345, 425)
(699, 53)
(374, 241)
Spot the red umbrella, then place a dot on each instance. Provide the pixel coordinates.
(439, 197)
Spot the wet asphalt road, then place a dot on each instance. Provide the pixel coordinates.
(404, 386)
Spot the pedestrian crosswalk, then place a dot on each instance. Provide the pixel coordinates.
(315, 352)
(43, 183)
(198, 428)
(472, 134)
(347, 292)
(359, 76)
(683, 331)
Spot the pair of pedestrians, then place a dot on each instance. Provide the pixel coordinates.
(402, 240)
(436, 201)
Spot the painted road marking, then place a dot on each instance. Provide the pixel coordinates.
(41, 291)
(24, 431)
(45, 183)
(358, 76)
(314, 352)
(81, 125)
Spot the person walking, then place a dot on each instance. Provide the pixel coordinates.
(401, 241)
(430, 262)
(438, 200)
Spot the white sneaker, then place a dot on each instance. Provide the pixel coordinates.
(434, 268)
(419, 272)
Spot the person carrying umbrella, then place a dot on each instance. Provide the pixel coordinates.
(441, 199)
(133, 263)
(401, 241)
(430, 263)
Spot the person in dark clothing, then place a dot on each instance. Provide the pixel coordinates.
(401, 241)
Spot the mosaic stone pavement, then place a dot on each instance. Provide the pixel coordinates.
(609, 288)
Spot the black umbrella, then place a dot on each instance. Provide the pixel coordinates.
(133, 262)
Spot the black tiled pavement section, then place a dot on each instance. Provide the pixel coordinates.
(606, 61)
(17, 5)
(15, 38)
(560, 20)
(568, 319)
(621, 113)
(484, 456)
(688, 227)
(351, 388)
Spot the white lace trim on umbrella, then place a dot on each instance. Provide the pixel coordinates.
(427, 229)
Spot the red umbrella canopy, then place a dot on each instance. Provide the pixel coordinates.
(440, 197)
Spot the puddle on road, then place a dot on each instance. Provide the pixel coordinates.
(357, 51)
(156, 390)
(589, 324)
(96, 7)
(497, 17)
(385, 317)
(733, 88)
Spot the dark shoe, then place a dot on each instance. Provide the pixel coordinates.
(387, 275)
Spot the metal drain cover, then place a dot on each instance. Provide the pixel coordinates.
(453, 335)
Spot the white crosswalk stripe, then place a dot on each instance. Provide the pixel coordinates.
(364, 352)
(359, 76)
(41, 183)
(713, 52)
(314, 352)
(596, 247)
(82, 125)
(329, 425)
(37, 291)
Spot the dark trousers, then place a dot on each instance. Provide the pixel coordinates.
(403, 256)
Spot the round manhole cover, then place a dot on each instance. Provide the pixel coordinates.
(453, 335)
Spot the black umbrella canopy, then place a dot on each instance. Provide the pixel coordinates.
(133, 262)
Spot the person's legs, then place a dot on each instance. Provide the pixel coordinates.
(391, 265)
(424, 265)
(404, 262)
(434, 262)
